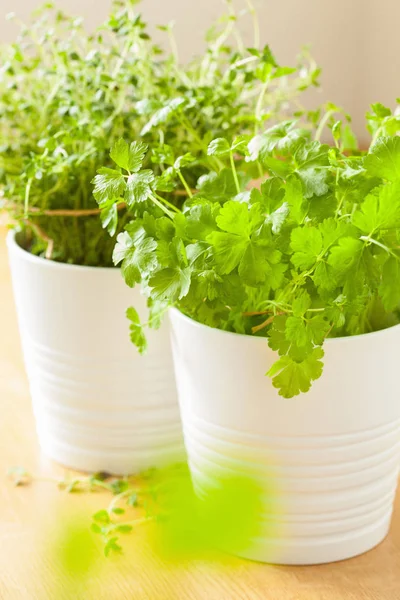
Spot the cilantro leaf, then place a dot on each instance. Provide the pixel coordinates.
(170, 284)
(138, 187)
(345, 255)
(128, 157)
(139, 261)
(306, 242)
(383, 159)
(292, 377)
(137, 335)
(109, 216)
(108, 184)
(389, 289)
(218, 147)
(234, 218)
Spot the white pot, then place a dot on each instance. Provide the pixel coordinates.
(98, 404)
(332, 455)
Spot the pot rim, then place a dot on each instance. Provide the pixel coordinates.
(343, 339)
(13, 246)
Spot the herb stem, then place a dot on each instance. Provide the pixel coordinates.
(323, 123)
(184, 183)
(27, 193)
(175, 208)
(234, 172)
(160, 205)
(368, 239)
(256, 25)
(259, 104)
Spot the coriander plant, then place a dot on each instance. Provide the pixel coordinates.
(313, 252)
(66, 97)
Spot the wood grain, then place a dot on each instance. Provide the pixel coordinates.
(33, 520)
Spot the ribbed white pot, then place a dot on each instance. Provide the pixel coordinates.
(98, 404)
(331, 455)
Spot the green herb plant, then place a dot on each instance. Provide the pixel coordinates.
(67, 96)
(313, 252)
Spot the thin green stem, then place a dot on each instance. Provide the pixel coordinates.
(235, 175)
(184, 183)
(175, 208)
(323, 123)
(256, 25)
(160, 205)
(27, 193)
(173, 44)
(369, 239)
(259, 104)
(115, 501)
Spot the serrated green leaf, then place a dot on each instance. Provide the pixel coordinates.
(138, 187)
(383, 159)
(218, 147)
(137, 335)
(108, 184)
(170, 284)
(345, 255)
(306, 242)
(291, 377)
(139, 261)
(389, 289)
(109, 216)
(234, 218)
(301, 304)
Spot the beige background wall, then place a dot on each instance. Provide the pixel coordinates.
(355, 41)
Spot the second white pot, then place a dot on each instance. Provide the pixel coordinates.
(331, 455)
(98, 404)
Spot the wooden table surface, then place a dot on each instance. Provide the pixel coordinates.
(32, 517)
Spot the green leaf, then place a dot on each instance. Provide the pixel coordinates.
(218, 147)
(282, 137)
(217, 187)
(139, 261)
(294, 198)
(318, 328)
(112, 546)
(278, 218)
(102, 517)
(138, 187)
(291, 377)
(228, 250)
(306, 242)
(137, 152)
(120, 154)
(109, 216)
(170, 108)
(170, 284)
(108, 184)
(128, 157)
(184, 161)
(201, 220)
(383, 159)
(254, 267)
(345, 255)
(389, 289)
(380, 210)
(118, 511)
(234, 218)
(312, 161)
(301, 304)
(137, 335)
(296, 331)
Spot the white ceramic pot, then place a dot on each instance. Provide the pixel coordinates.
(331, 455)
(98, 404)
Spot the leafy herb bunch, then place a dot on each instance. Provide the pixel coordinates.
(66, 96)
(313, 252)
